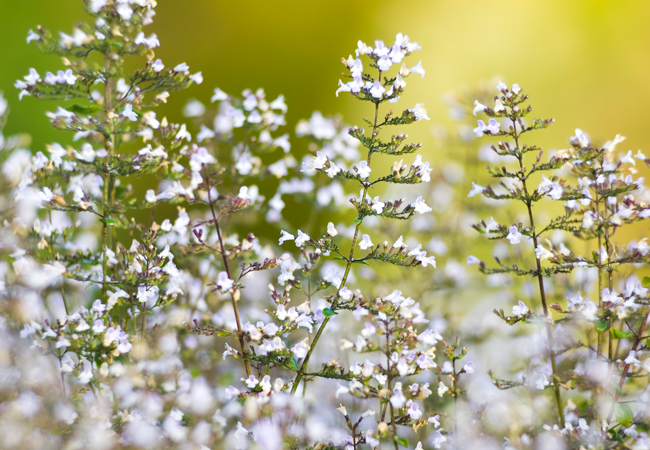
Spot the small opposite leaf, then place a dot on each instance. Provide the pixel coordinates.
(294, 364)
(402, 441)
(82, 109)
(624, 414)
(600, 325)
(646, 281)
(327, 312)
(619, 334)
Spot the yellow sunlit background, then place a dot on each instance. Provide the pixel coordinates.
(584, 62)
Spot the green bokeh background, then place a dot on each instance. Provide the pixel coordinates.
(584, 62)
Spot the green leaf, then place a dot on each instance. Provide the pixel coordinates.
(81, 109)
(329, 313)
(108, 221)
(624, 414)
(618, 334)
(223, 334)
(402, 441)
(358, 220)
(646, 281)
(647, 342)
(601, 325)
(294, 364)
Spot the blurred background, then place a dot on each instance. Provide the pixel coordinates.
(583, 62)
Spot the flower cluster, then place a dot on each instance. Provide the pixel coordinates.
(600, 196)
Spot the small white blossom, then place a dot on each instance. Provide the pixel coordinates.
(363, 169)
(224, 283)
(365, 243)
(514, 236)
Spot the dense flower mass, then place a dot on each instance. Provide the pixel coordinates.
(157, 290)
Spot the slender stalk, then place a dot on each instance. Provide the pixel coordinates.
(305, 363)
(144, 320)
(540, 281)
(65, 301)
(108, 177)
(234, 294)
(600, 292)
(454, 385)
(304, 383)
(62, 377)
(390, 386)
(600, 306)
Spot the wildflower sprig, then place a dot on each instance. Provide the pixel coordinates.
(509, 107)
(604, 200)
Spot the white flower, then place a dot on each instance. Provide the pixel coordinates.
(493, 126)
(302, 238)
(224, 282)
(333, 170)
(632, 360)
(129, 113)
(582, 138)
(420, 112)
(438, 440)
(365, 243)
(478, 107)
(414, 411)
(397, 399)
(399, 242)
(377, 90)
(32, 36)
(417, 69)
(157, 65)
(285, 237)
(420, 206)
(541, 382)
(476, 189)
(181, 68)
(331, 229)
(363, 169)
(219, 96)
(520, 309)
(62, 343)
(300, 349)
(514, 236)
(442, 389)
(471, 259)
(541, 253)
(628, 158)
(197, 77)
(243, 193)
(377, 206)
(426, 260)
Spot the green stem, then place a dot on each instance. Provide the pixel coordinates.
(305, 363)
(540, 281)
(233, 293)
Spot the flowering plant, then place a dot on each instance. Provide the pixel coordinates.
(158, 293)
